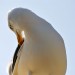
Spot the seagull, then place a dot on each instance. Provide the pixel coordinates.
(40, 50)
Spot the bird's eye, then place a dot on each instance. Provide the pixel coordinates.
(11, 27)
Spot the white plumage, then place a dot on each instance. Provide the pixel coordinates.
(43, 51)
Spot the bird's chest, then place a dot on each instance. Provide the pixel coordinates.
(35, 58)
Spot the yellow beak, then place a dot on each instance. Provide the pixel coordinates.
(20, 37)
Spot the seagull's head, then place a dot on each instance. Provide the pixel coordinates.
(14, 23)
